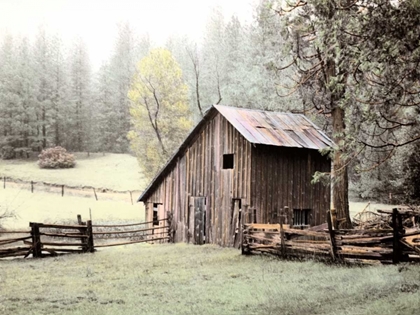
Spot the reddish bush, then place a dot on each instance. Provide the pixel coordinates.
(56, 157)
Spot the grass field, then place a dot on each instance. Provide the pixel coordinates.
(119, 172)
(187, 279)
(44, 207)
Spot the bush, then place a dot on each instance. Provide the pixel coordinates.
(7, 152)
(56, 157)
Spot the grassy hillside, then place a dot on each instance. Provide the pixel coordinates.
(113, 171)
(186, 279)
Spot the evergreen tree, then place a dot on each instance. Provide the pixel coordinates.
(79, 111)
(127, 51)
(106, 124)
(59, 92)
(43, 111)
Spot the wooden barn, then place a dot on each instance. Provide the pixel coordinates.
(241, 164)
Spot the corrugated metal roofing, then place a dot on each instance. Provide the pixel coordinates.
(274, 128)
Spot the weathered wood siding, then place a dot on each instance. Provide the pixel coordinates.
(281, 177)
(198, 172)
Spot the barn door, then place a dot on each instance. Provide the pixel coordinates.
(199, 220)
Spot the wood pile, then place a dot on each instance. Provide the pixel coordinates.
(384, 244)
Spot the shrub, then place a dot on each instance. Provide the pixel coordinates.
(7, 152)
(56, 157)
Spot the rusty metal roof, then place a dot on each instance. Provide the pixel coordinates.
(274, 128)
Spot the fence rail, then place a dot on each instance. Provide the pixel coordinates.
(384, 246)
(53, 239)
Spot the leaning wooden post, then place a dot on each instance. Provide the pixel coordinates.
(89, 231)
(332, 236)
(282, 237)
(36, 240)
(396, 249)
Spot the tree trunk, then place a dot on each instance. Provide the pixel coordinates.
(339, 178)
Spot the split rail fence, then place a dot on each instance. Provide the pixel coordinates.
(53, 239)
(368, 246)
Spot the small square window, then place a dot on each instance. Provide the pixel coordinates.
(228, 161)
(301, 217)
(155, 214)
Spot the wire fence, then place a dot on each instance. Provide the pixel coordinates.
(66, 190)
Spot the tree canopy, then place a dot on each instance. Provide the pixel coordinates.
(159, 109)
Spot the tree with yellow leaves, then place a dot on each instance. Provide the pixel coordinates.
(160, 116)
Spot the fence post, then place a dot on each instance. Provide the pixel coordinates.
(332, 237)
(83, 231)
(282, 236)
(62, 190)
(89, 232)
(4, 182)
(36, 240)
(396, 249)
(32, 186)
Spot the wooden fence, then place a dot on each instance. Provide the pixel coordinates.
(159, 232)
(370, 246)
(53, 239)
(13, 245)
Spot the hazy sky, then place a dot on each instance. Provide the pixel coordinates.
(95, 20)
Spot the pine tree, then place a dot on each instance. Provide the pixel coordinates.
(79, 111)
(42, 59)
(59, 92)
(127, 51)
